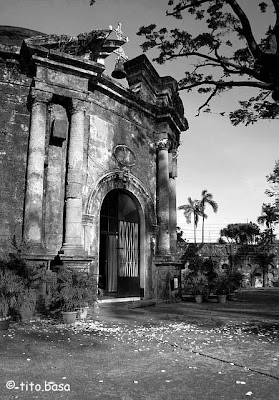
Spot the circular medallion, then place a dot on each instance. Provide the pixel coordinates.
(124, 155)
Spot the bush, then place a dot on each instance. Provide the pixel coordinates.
(19, 284)
(11, 289)
(75, 288)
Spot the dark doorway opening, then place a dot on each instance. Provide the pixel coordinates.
(119, 267)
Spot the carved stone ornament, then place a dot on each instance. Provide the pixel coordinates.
(175, 153)
(88, 46)
(39, 96)
(124, 155)
(163, 144)
(76, 105)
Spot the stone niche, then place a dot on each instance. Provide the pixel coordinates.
(89, 165)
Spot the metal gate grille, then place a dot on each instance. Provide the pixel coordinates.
(128, 249)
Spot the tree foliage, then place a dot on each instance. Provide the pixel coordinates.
(197, 209)
(192, 208)
(206, 199)
(269, 217)
(226, 54)
(241, 233)
(273, 180)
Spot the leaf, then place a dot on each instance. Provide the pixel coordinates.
(263, 6)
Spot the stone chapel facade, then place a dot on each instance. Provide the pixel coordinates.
(88, 166)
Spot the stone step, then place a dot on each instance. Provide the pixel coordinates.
(127, 302)
(118, 300)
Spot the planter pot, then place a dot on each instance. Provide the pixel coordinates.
(26, 313)
(69, 317)
(82, 313)
(222, 298)
(4, 323)
(198, 298)
(28, 305)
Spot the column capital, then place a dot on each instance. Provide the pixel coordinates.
(163, 144)
(76, 105)
(39, 96)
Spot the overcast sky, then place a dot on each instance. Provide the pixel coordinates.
(232, 163)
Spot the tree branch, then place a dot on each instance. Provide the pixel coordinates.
(185, 6)
(207, 65)
(224, 84)
(276, 25)
(215, 91)
(237, 69)
(247, 30)
(240, 68)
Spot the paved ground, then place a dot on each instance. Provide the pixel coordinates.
(171, 351)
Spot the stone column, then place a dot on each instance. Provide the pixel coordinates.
(33, 210)
(73, 220)
(163, 208)
(172, 194)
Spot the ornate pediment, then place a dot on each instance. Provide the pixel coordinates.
(93, 46)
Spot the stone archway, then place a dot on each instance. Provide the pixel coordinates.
(126, 183)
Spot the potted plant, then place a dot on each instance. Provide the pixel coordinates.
(30, 277)
(74, 292)
(197, 284)
(27, 304)
(87, 293)
(11, 287)
(63, 295)
(235, 281)
(222, 286)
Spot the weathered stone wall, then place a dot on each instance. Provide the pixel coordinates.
(110, 124)
(243, 257)
(107, 125)
(14, 127)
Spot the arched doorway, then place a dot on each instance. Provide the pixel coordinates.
(119, 266)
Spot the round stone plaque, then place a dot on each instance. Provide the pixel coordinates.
(124, 155)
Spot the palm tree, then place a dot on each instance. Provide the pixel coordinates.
(269, 217)
(207, 198)
(193, 207)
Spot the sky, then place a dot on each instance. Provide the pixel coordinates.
(230, 162)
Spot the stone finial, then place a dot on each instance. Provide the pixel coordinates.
(120, 36)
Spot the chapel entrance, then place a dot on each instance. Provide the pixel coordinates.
(119, 269)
